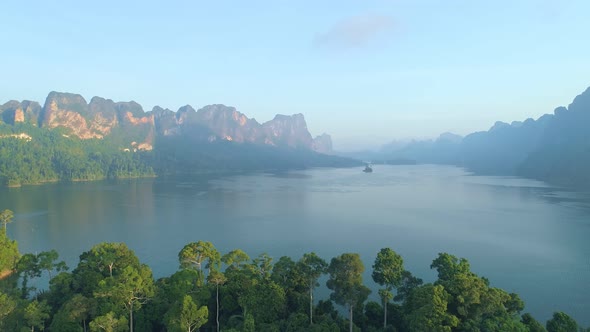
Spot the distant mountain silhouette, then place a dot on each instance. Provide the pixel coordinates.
(553, 148)
(443, 150)
(562, 154)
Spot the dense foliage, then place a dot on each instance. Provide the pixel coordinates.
(50, 155)
(111, 290)
(174, 155)
(8, 248)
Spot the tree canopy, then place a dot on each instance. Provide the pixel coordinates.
(111, 290)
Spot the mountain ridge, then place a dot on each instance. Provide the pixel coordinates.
(553, 148)
(100, 117)
(71, 139)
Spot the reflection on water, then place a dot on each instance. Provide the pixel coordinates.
(525, 236)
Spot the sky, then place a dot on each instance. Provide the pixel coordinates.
(366, 72)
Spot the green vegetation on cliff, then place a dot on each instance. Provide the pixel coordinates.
(174, 155)
(30, 155)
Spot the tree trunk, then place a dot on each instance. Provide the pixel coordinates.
(350, 322)
(84, 324)
(131, 318)
(384, 315)
(217, 313)
(310, 305)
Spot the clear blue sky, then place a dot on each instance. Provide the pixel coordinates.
(364, 71)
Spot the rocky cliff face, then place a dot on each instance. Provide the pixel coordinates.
(14, 112)
(70, 111)
(288, 131)
(228, 124)
(126, 123)
(220, 122)
(323, 144)
(182, 123)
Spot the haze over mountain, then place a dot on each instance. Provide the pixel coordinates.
(389, 69)
(554, 147)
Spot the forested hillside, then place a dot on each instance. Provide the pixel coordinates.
(30, 155)
(72, 140)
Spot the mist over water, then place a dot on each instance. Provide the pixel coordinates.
(523, 235)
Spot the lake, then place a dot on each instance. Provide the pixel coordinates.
(524, 236)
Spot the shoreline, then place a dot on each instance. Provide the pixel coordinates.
(41, 183)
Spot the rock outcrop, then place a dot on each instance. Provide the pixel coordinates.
(220, 122)
(14, 112)
(323, 144)
(226, 123)
(288, 131)
(126, 123)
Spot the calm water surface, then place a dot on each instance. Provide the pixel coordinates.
(524, 236)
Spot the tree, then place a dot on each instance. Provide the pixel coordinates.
(312, 267)
(181, 283)
(186, 316)
(262, 265)
(448, 266)
(217, 278)
(235, 259)
(47, 262)
(532, 324)
(265, 300)
(62, 322)
(60, 289)
(426, 310)
(346, 282)
(36, 313)
(387, 271)
(6, 218)
(132, 288)
(28, 268)
(104, 260)
(240, 279)
(408, 283)
(108, 323)
(283, 272)
(7, 306)
(561, 322)
(79, 309)
(109, 256)
(194, 254)
(9, 254)
(473, 301)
